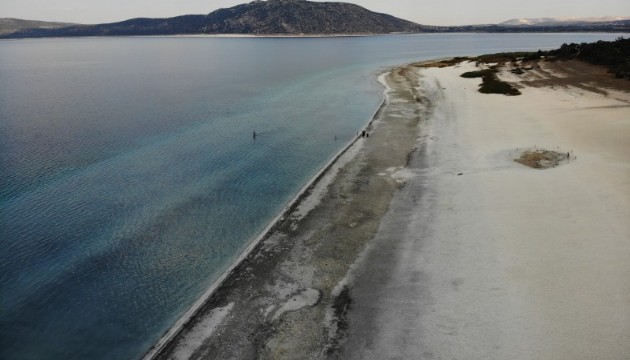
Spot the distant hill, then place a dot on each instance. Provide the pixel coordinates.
(285, 17)
(10, 25)
(301, 17)
(558, 21)
(544, 25)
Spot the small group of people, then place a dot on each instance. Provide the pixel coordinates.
(363, 134)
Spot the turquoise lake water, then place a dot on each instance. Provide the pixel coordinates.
(129, 179)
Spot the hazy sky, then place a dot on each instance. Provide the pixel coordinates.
(429, 12)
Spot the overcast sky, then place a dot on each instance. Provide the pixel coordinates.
(429, 12)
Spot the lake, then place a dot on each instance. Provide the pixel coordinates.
(130, 177)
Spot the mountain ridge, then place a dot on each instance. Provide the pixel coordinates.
(272, 17)
(302, 17)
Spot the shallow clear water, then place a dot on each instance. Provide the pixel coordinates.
(130, 179)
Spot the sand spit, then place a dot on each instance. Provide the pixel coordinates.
(427, 240)
(285, 298)
(480, 257)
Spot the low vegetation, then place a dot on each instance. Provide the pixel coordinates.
(615, 55)
(478, 73)
(506, 57)
(491, 84)
(443, 63)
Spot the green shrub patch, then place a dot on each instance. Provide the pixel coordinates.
(490, 82)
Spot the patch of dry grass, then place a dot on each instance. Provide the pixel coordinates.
(541, 159)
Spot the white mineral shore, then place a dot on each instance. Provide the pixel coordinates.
(427, 241)
(496, 260)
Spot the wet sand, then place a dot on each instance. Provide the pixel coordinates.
(288, 296)
(426, 240)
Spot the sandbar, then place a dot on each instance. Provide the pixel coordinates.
(426, 240)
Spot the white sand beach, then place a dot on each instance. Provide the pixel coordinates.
(480, 257)
(426, 240)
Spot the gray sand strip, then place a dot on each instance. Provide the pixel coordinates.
(288, 282)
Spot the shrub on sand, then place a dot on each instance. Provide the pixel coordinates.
(491, 83)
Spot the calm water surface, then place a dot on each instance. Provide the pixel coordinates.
(129, 179)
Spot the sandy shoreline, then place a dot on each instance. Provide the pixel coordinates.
(426, 240)
(308, 253)
(303, 201)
